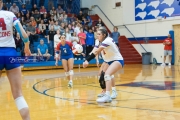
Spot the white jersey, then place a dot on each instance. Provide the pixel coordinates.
(110, 51)
(7, 20)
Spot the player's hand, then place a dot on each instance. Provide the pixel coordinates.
(27, 51)
(85, 64)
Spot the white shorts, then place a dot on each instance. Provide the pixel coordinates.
(167, 52)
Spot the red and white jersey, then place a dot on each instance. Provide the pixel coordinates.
(110, 51)
(7, 21)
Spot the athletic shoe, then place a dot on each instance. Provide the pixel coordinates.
(101, 94)
(163, 64)
(114, 94)
(70, 84)
(169, 64)
(105, 99)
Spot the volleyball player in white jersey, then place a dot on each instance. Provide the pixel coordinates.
(102, 70)
(112, 56)
(7, 49)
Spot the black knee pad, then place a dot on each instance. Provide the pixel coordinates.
(101, 80)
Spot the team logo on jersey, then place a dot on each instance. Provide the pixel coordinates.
(14, 19)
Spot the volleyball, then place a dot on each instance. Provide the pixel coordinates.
(77, 49)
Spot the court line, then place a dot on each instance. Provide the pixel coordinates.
(104, 104)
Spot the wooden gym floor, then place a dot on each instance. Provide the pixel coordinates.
(144, 93)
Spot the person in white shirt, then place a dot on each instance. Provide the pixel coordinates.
(8, 57)
(56, 38)
(112, 56)
(56, 26)
(74, 39)
(68, 34)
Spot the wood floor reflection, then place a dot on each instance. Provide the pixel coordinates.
(145, 92)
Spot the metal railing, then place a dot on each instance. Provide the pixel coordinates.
(119, 26)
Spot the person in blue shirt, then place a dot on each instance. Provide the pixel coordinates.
(115, 35)
(64, 52)
(24, 11)
(43, 50)
(90, 41)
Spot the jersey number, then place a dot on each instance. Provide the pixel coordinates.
(2, 24)
(65, 50)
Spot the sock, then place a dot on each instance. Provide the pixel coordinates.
(113, 88)
(70, 81)
(108, 93)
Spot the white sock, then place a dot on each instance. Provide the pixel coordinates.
(113, 88)
(108, 93)
(70, 81)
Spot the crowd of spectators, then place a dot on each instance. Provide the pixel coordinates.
(44, 28)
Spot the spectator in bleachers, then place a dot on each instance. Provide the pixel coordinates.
(50, 38)
(99, 23)
(72, 18)
(23, 22)
(43, 11)
(77, 28)
(115, 35)
(31, 31)
(65, 19)
(18, 42)
(59, 10)
(56, 26)
(88, 21)
(51, 24)
(33, 2)
(45, 19)
(24, 11)
(90, 41)
(74, 39)
(43, 50)
(62, 28)
(37, 16)
(51, 19)
(68, 34)
(52, 10)
(19, 16)
(56, 38)
(73, 25)
(50, 4)
(34, 8)
(14, 9)
(70, 29)
(42, 28)
(33, 22)
(56, 16)
(60, 20)
(82, 38)
(80, 16)
(27, 18)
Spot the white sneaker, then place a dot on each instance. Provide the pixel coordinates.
(114, 94)
(106, 98)
(70, 84)
(169, 64)
(163, 64)
(101, 94)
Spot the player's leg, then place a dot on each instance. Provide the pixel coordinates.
(164, 60)
(65, 67)
(14, 76)
(112, 69)
(170, 56)
(71, 72)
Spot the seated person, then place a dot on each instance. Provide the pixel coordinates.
(43, 50)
